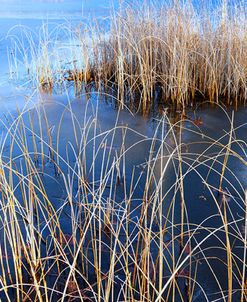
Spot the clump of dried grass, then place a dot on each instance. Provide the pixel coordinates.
(185, 52)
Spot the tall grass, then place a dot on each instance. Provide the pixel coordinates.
(79, 221)
(109, 234)
(174, 51)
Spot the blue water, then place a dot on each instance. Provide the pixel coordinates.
(16, 15)
(55, 9)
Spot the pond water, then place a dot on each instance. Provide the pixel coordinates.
(69, 9)
(69, 121)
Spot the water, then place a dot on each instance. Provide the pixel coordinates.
(69, 9)
(64, 112)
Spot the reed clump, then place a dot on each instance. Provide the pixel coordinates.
(187, 51)
(174, 51)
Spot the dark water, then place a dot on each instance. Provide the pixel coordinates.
(203, 214)
(67, 114)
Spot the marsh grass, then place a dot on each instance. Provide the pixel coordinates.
(110, 234)
(174, 52)
(79, 220)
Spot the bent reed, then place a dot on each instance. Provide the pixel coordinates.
(78, 225)
(172, 51)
